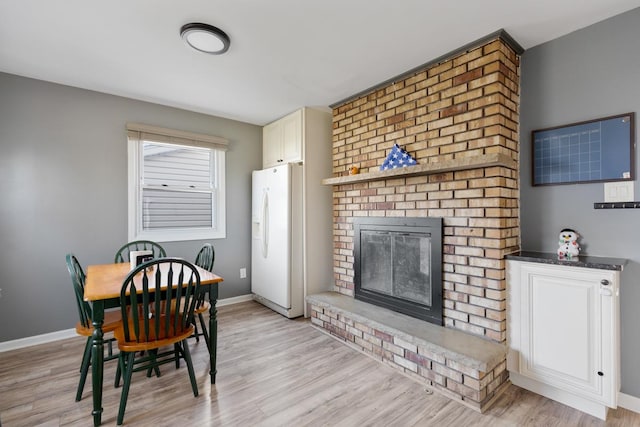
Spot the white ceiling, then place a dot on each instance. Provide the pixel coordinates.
(284, 54)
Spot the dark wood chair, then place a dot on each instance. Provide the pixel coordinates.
(156, 319)
(205, 259)
(122, 255)
(84, 327)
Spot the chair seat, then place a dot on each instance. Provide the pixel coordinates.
(152, 341)
(204, 308)
(112, 320)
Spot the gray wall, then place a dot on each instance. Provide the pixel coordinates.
(587, 74)
(63, 188)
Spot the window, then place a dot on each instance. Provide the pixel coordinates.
(176, 184)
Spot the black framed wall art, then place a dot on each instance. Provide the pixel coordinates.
(590, 151)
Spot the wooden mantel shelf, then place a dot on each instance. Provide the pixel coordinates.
(465, 163)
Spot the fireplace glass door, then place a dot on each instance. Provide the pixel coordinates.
(397, 264)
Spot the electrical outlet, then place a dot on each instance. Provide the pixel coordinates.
(243, 273)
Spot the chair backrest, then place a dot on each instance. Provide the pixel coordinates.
(77, 279)
(122, 255)
(206, 257)
(148, 315)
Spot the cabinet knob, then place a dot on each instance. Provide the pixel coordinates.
(604, 282)
(600, 373)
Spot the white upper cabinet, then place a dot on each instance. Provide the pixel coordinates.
(282, 141)
(271, 145)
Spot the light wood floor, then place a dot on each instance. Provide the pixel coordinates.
(271, 372)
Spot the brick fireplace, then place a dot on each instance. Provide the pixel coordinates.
(458, 117)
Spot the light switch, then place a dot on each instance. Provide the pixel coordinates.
(618, 191)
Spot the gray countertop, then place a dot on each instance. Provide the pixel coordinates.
(585, 261)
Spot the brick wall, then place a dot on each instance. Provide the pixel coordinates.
(464, 106)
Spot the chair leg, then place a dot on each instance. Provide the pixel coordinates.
(205, 332)
(125, 388)
(87, 352)
(195, 331)
(84, 368)
(116, 383)
(192, 375)
(154, 367)
(120, 369)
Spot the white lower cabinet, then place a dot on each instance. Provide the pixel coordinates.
(563, 326)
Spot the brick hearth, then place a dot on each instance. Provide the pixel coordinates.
(463, 108)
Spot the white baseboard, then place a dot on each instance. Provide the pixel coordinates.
(234, 300)
(70, 333)
(37, 339)
(629, 402)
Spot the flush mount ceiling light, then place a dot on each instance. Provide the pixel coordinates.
(205, 38)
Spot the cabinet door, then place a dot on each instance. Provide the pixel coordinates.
(271, 145)
(568, 329)
(292, 137)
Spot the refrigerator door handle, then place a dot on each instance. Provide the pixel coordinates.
(265, 224)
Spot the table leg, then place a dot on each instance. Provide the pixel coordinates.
(213, 330)
(97, 356)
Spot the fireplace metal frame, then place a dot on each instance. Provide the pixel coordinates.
(427, 225)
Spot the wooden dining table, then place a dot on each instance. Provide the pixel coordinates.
(102, 291)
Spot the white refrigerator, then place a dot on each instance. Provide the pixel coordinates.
(276, 244)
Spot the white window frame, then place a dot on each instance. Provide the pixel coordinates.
(138, 133)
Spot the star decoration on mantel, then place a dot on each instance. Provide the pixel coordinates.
(398, 158)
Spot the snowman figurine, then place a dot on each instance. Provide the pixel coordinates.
(569, 248)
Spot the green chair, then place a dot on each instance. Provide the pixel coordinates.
(84, 327)
(151, 324)
(205, 259)
(122, 255)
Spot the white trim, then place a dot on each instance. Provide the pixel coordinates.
(234, 300)
(134, 223)
(70, 333)
(133, 187)
(176, 136)
(629, 402)
(37, 339)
